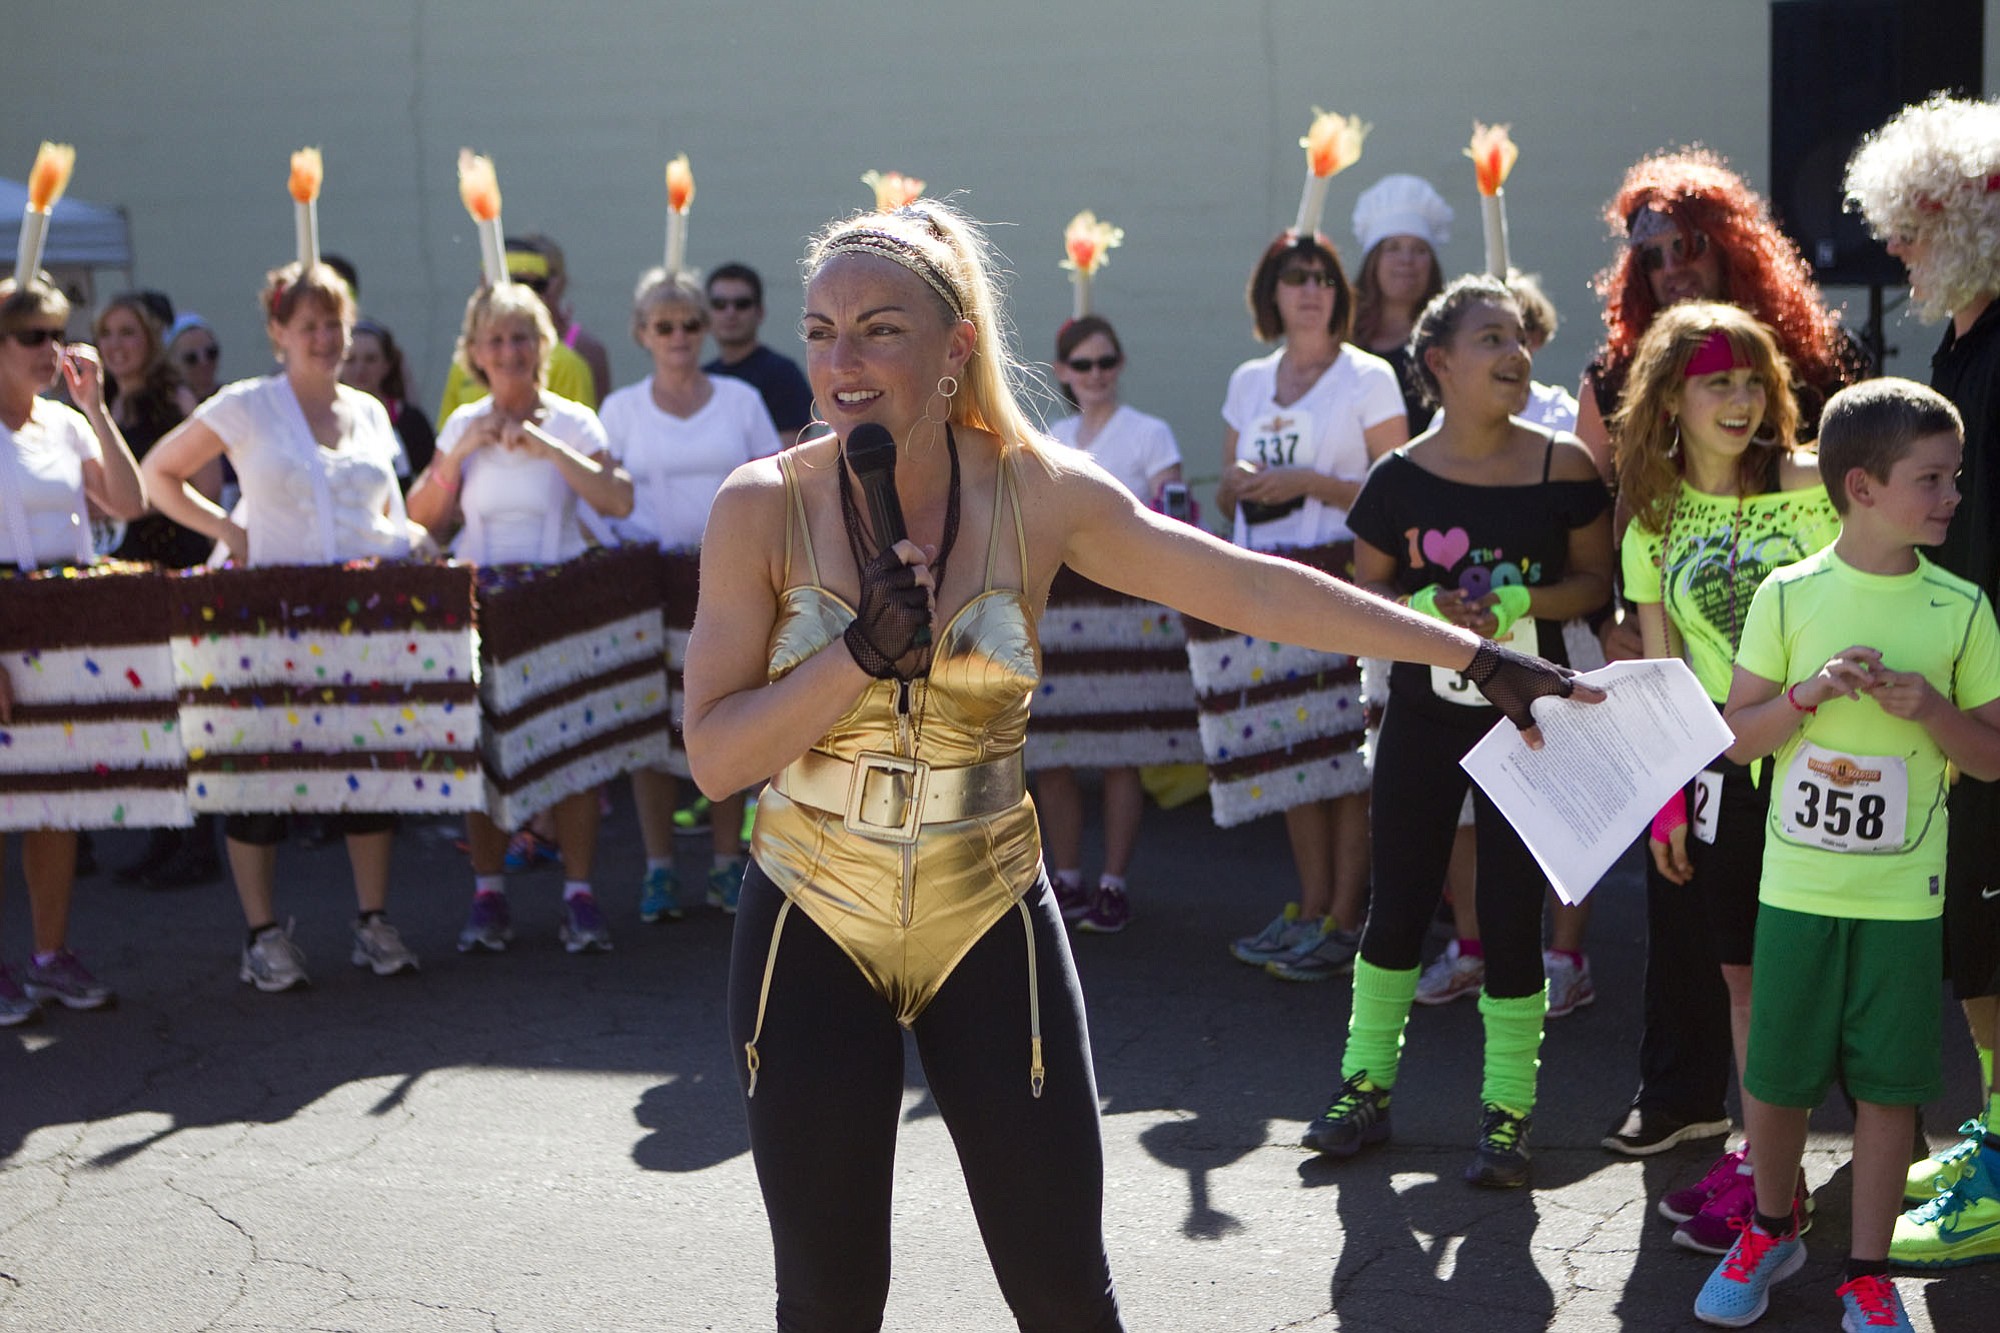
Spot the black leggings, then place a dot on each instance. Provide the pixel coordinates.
(1417, 793)
(829, 1095)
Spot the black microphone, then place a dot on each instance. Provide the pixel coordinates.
(872, 454)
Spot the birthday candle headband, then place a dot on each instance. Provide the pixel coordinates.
(892, 189)
(1332, 144)
(308, 174)
(1087, 243)
(680, 194)
(53, 164)
(479, 188)
(1493, 155)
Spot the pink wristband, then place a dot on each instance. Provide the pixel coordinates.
(1672, 816)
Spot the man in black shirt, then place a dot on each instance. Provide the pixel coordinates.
(736, 300)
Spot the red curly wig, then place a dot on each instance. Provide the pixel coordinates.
(1762, 270)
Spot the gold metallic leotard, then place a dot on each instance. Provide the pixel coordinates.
(907, 904)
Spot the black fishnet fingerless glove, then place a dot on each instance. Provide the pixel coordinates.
(1513, 681)
(895, 616)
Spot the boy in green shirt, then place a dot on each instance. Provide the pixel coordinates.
(1865, 671)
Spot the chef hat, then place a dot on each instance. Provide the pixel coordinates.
(1401, 206)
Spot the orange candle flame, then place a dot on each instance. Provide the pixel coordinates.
(53, 164)
(1333, 144)
(1087, 242)
(308, 172)
(892, 189)
(680, 184)
(478, 185)
(1493, 155)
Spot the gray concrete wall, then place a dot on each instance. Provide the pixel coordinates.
(1176, 119)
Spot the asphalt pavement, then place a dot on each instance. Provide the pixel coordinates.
(539, 1141)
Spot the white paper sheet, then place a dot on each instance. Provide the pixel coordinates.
(1603, 769)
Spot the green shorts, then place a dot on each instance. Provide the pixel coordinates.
(1832, 996)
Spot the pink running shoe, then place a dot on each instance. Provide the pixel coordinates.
(1681, 1204)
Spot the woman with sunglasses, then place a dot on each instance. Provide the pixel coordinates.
(680, 432)
(510, 473)
(1303, 426)
(375, 365)
(53, 461)
(195, 354)
(1140, 452)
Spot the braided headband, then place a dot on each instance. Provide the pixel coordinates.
(887, 245)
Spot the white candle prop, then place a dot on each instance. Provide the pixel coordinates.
(308, 173)
(1493, 156)
(479, 189)
(46, 182)
(680, 196)
(1332, 144)
(1087, 244)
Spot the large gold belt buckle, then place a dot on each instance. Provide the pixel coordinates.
(885, 799)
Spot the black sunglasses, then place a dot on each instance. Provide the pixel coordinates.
(196, 356)
(539, 286)
(1304, 277)
(36, 337)
(663, 328)
(732, 303)
(1653, 258)
(1083, 365)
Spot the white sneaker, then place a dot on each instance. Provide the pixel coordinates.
(271, 962)
(378, 947)
(1451, 976)
(1569, 984)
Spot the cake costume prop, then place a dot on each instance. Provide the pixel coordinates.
(308, 173)
(1493, 156)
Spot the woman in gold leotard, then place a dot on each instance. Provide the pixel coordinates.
(896, 876)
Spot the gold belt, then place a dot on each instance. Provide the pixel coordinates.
(889, 798)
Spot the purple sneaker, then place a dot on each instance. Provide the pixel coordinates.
(584, 928)
(488, 926)
(1681, 1204)
(1110, 912)
(66, 979)
(15, 1006)
(1073, 901)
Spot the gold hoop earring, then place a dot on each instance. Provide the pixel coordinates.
(947, 389)
(813, 427)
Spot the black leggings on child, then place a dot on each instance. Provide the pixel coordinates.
(829, 1095)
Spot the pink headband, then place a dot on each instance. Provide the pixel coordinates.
(1717, 355)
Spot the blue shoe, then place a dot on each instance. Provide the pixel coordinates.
(1739, 1290)
(1872, 1302)
(725, 885)
(660, 896)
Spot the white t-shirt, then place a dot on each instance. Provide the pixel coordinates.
(1322, 431)
(1132, 447)
(304, 504)
(41, 487)
(517, 509)
(679, 463)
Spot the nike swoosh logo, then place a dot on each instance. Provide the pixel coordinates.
(1936, 602)
(1952, 1234)
(1991, 893)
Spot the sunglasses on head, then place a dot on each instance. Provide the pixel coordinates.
(666, 328)
(1083, 365)
(1303, 277)
(1653, 257)
(194, 356)
(732, 303)
(36, 337)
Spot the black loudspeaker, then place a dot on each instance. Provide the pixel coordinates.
(1840, 68)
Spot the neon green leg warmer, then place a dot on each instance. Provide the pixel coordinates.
(1513, 1049)
(1382, 1001)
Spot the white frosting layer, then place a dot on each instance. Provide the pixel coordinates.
(80, 747)
(1243, 799)
(330, 790)
(91, 675)
(110, 807)
(331, 728)
(1092, 692)
(1241, 662)
(1140, 625)
(330, 658)
(1280, 723)
(507, 686)
(576, 722)
(587, 771)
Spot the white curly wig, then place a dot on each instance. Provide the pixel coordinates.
(1933, 172)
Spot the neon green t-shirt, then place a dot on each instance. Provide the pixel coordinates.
(1857, 824)
(569, 377)
(1707, 565)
